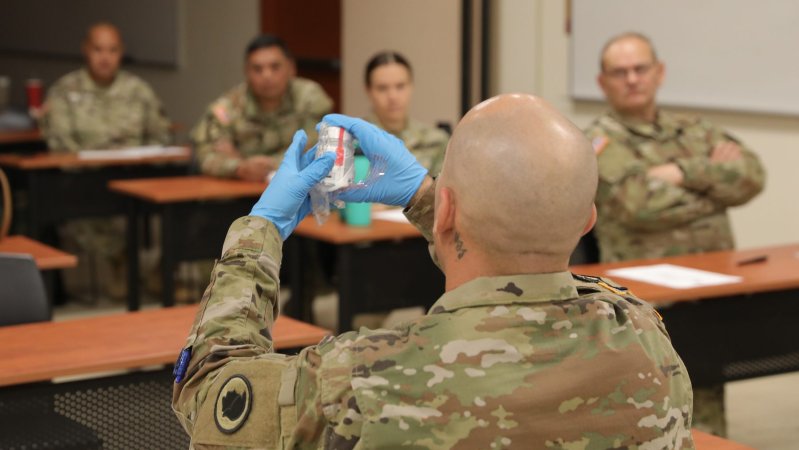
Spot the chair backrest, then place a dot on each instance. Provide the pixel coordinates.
(22, 295)
(587, 251)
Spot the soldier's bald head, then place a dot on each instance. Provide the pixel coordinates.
(523, 178)
(104, 31)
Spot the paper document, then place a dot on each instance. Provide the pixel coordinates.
(132, 152)
(675, 277)
(392, 215)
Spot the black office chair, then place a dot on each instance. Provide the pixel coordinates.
(22, 295)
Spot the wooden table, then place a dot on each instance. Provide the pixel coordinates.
(195, 211)
(46, 257)
(335, 231)
(60, 187)
(22, 141)
(124, 411)
(732, 331)
(704, 441)
(20, 137)
(47, 350)
(779, 272)
(378, 268)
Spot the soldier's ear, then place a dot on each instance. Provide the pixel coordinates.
(444, 216)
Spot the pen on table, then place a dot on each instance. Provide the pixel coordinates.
(753, 260)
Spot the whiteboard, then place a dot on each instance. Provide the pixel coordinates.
(150, 28)
(721, 54)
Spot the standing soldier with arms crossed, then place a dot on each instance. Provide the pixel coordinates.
(665, 180)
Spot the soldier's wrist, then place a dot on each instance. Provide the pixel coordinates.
(423, 189)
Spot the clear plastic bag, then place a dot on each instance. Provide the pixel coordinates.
(337, 140)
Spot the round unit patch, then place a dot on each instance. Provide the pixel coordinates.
(233, 404)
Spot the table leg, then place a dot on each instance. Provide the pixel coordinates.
(168, 235)
(49, 278)
(34, 228)
(133, 255)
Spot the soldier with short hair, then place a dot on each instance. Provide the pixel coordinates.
(101, 106)
(389, 86)
(518, 353)
(244, 133)
(665, 180)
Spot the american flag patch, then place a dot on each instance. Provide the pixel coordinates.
(599, 143)
(220, 112)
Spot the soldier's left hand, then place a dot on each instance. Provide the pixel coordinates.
(285, 202)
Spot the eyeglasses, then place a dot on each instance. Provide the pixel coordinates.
(621, 72)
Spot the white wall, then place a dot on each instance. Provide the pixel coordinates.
(535, 29)
(426, 32)
(214, 35)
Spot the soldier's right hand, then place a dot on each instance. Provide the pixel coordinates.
(400, 172)
(726, 151)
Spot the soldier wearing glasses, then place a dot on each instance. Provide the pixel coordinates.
(665, 180)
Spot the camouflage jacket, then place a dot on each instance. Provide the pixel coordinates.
(427, 144)
(643, 217)
(527, 361)
(78, 114)
(236, 118)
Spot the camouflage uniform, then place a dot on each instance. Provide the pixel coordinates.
(80, 115)
(427, 144)
(526, 361)
(237, 119)
(642, 217)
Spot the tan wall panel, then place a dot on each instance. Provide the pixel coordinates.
(426, 32)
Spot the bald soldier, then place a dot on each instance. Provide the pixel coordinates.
(101, 106)
(665, 180)
(518, 353)
(244, 133)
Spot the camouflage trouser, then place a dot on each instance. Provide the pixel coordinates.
(709, 410)
(100, 247)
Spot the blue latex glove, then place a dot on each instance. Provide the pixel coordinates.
(402, 173)
(285, 202)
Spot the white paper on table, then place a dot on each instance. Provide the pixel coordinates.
(131, 152)
(675, 277)
(391, 215)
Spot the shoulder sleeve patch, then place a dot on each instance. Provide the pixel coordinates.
(221, 113)
(599, 143)
(233, 404)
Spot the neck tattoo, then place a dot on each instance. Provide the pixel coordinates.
(459, 246)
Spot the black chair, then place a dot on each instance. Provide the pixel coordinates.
(22, 295)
